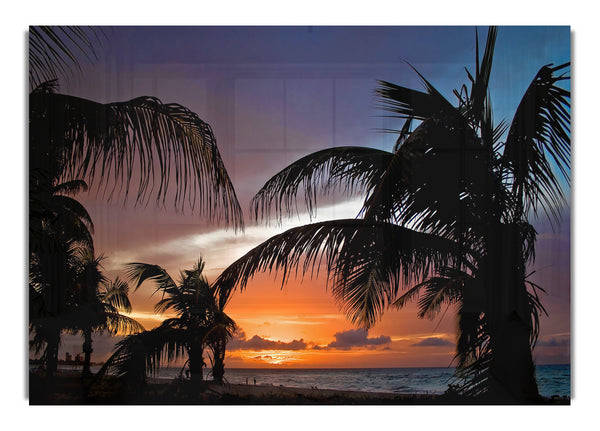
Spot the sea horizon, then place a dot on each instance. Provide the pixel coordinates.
(552, 379)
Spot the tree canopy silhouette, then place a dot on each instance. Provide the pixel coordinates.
(98, 303)
(141, 145)
(200, 323)
(445, 219)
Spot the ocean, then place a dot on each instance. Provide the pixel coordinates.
(552, 379)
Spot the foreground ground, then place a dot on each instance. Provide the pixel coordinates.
(69, 388)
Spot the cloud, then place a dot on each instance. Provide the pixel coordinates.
(433, 342)
(172, 242)
(558, 358)
(554, 342)
(343, 341)
(240, 342)
(355, 338)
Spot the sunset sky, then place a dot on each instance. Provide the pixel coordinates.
(272, 95)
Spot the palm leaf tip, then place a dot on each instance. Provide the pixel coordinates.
(57, 50)
(347, 169)
(106, 144)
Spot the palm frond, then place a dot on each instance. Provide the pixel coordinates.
(55, 50)
(139, 355)
(536, 310)
(116, 294)
(350, 169)
(69, 207)
(539, 141)
(407, 103)
(436, 180)
(285, 251)
(360, 257)
(473, 354)
(447, 287)
(107, 143)
(479, 88)
(47, 87)
(140, 272)
(223, 329)
(117, 323)
(70, 188)
(378, 260)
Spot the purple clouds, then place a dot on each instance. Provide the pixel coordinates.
(356, 338)
(432, 342)
(239, 342)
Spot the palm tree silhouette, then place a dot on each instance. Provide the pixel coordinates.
(446, 216)
(98, 302)
(113, 147)
(49, 307)
(71, 137)
(200, 323)
(60, 231)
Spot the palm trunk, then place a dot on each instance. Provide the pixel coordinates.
(87, 352)
(512, 364)
(196, 363)
(51, 353)
(218, 369)
(508, 316)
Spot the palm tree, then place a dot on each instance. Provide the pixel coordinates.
(200, 323)
(49, 307)
(114, 145)
(71, 137)
(59, 232)
(446, 216)
(57, 50)
(98, 302)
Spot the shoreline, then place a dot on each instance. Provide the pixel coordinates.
(70, 388)
(317, 394)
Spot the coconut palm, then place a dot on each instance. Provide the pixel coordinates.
(72, 137)
(56, 50)
(116, 146)
(54, 212)
(138, 144)
(59, 232)
(446, 216)
(98, 304)
(199, 323)
(49, 307)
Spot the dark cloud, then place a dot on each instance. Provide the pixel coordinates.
(260, 358)
(240, 342)
(554, 342)
(433, 342)
(356, 338)
(558, 358)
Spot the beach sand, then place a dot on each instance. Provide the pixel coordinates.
(70, 388)
(287, 395)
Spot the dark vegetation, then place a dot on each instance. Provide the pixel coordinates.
(446, 220)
